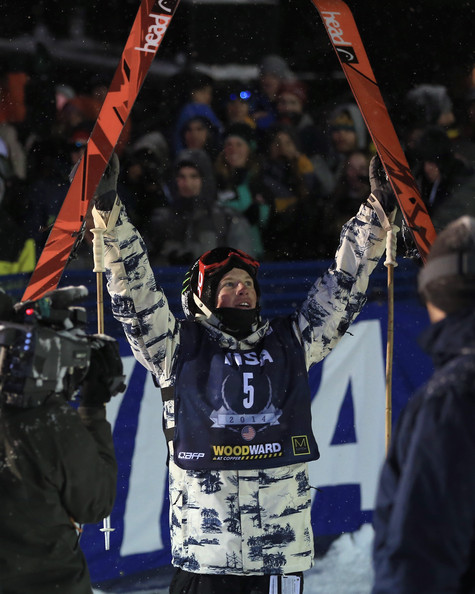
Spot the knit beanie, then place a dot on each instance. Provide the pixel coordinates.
(274, 65)
(448, 278)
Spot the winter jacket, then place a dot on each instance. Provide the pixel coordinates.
(240, 522)
(57, 469)
(425, 512)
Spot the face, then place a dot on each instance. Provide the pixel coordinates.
(269, 84)
(237, 110)
(236, 290)
(236, 151)
(189, 182)
(196, 135)
(357, 170)
(289, 103)
(283, 146)
(431, 171)
(344, 141)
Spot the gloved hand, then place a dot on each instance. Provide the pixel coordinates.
(104, 378)
(107, 189)
(380, 186)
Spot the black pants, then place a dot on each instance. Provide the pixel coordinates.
(184, 582)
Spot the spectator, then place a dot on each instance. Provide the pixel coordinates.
(191, 223)
(199, 133)
(144, 186)
(240, 190)
(17, 247)
(430, 104)
(237, 106)
(425, 507)
(199, 104)
(50, 163)
(446, 183)
(347, 134)
(291, 110)
(351, 189)
(293, 192)
(273, 70)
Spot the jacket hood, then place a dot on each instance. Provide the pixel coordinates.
(452, 336)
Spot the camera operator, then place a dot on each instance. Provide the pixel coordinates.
(57, 464)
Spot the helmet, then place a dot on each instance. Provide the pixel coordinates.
(202, 279)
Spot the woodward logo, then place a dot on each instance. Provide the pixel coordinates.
(155, 33)
(344, 48)
(190, 455)
(262, 449)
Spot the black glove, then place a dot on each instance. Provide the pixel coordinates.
(104, 378)
(107, 189)
(380, 186)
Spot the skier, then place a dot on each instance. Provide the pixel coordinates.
(57, 465)
(236, 395)
(425, 511)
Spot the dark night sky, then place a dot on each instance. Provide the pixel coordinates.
(407, 42)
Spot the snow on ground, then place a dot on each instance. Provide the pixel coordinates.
(345, 569)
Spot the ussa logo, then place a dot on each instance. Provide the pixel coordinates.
(344, 48)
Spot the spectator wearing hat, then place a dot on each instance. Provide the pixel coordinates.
(446, 183)
(237, 106)
(425, 508)
(294, 194)
(198, 105)
(347, 133)
(273, 70)
(292, 100)
(240, 189)
(351, 189)
(191, 223)
(431, 104)
(200, 133)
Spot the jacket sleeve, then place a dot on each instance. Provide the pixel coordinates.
(425, 509)
(336, 298)
(137, 302)
(88, 468)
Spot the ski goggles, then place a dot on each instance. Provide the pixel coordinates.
(208, 267)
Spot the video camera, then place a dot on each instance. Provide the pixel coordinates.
(44, 348)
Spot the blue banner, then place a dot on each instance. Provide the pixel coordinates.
(348, 414)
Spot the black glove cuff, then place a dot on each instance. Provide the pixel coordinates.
(105, 201)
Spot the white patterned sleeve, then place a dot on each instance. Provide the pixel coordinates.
(138, 303)
(337, 297)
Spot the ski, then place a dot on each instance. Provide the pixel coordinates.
(147, 32)
(345, 38)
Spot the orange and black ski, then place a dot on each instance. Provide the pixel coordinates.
(149, 27)
(346, 41)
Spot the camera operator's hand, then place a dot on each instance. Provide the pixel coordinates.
(104, 378)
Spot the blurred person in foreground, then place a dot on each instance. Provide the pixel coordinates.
(237, 403)
(57, 464)
(425, 511)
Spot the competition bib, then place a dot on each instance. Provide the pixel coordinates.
(242, 409)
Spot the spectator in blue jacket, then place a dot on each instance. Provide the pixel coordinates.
(425, 511)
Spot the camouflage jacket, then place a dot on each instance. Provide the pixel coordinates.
(239, 522)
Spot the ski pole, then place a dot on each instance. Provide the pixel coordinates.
(390, 262)
(99, 269)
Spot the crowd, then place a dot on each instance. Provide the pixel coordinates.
(260, 166)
